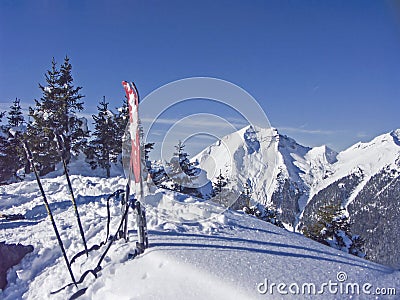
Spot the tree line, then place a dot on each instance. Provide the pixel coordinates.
(54, 117)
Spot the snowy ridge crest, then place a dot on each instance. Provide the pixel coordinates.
(281, 171)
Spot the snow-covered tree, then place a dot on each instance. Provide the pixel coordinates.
(4, 172)
(266, 213)
(184, 163)
(121, 119)
(147, 149)
(15, 116)
(333, 228)
(180, 169)
(55, 113)
(12, 154)
(102, 151)
(74, 129)
(40, 129)
(219, 183)
(219, 193)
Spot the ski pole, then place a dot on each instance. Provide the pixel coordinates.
(125, 230)
(71, 191)
(46, 204)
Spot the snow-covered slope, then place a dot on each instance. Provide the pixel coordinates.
(368, 158)
(255, 156)
(281, 171)
(298, 180)
(246, 156)
(278, 169)
(222, 255)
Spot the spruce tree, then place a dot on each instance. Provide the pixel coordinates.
(220, 182)
(15, 116)
(266, 213)
(105, 138)
(147, 149)
(218, 192)
(180, 169)
(74, 129)
(55, 114)
(121, 119)
(45, 121)
(120, 122)
(16, 150)
(12, 156)
(4, 171)
(333, 228)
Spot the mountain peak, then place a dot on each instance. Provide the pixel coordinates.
(323, 152)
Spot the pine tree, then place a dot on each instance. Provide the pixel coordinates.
(218, 193)
(74, 129)
(180, 168)
(221, 181)
(46, 120)
(147, 149)
(122, 116)
(105, 137)
(15, 116)
(271, 215)
(55, 113)
(4, 171)
(266, 213)
(333, 228)
(16, 150)
(121, 122)
(12, 156)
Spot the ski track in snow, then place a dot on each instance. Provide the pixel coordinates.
(197, 250)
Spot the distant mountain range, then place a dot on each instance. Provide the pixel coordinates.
(298, 180)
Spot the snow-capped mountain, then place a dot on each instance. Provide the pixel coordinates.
(298, 180)
(224, 255)
(279, 171)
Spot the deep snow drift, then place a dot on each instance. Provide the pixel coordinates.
(197, 251)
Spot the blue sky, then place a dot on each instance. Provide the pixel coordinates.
(325, 72)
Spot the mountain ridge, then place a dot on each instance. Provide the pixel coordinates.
(298, 180)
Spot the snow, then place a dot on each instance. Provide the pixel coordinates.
(83, 124)
(48, 89)
(267, 158)
(368, 158)
(197, 250)
(248, 154)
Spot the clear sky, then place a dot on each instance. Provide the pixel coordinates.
(325, 72)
